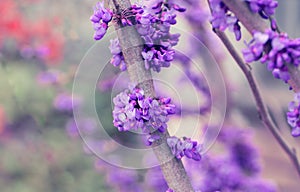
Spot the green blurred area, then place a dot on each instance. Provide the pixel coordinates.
(36, 152)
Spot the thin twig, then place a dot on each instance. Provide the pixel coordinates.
(132, 44)
(262, 110)
(253, 22)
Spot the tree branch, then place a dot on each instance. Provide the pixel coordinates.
(253, 22)
(132, 44)
(262, 110)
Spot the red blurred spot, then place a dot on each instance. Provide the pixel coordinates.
(41, 35)
(2, 120)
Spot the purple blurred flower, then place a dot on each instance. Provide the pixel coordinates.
(220, 174)
(293, 115)
(185, 147)
(155, 179)
(48, 77)
(265, 8)
(65, 102)
(223, 19)
(245, 156)
(71, 129)
(241, 150)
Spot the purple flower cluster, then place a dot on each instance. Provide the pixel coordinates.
(265, 8)
(133, 110)
(293, 115)
(241, 150)
(185, 147)
(153, 24)
(280, 51)
(117, 59)
(223, 19)
(100, 20)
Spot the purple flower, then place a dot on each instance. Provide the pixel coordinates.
(100, 20)
(117, 59)
(185, 147)
(153, 24)
(115, 47)
(265, 8)
(133, 110)
(48, 77)
(154, 27)
(280, 50)
(100, 31)
(255, 47)
(148, 55)
(222, 19)
(65, 102)
(293, 115)
(241, 150)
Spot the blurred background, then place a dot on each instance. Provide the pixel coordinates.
(41, 44)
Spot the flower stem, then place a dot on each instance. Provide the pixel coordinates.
(132, 44)
(262, 110)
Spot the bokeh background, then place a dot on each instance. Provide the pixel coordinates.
(42, 43)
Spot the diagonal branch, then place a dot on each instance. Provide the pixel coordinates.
(132, 44)
(262, 110)
(253, 23)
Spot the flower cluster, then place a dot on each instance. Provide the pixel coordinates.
(241, 150)
(117, 59)
(133, 110)
(281, 50)
(223, 19)
(153, 24)
(100, 20)
(185, 147)
(265, 8)
(293, 115)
